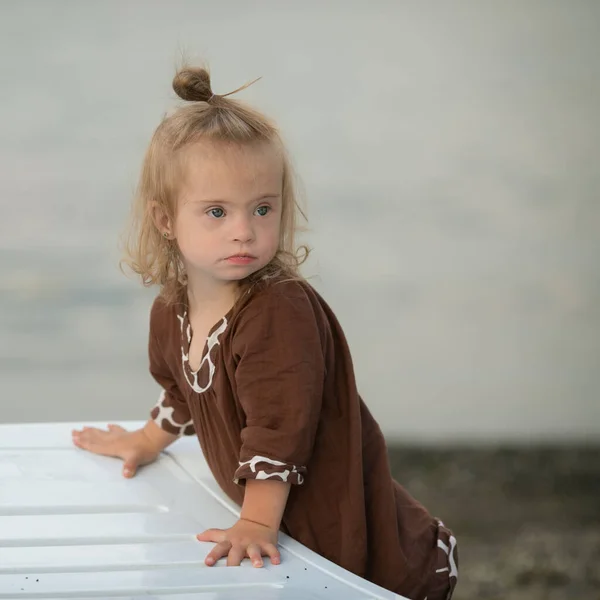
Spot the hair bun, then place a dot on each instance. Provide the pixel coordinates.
(193, 84)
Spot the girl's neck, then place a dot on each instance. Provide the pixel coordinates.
(210, 296)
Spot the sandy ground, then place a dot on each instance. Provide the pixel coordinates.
(527, 520)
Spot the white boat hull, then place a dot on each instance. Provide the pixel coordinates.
(71, 527)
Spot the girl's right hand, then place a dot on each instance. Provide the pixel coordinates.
(134, 447)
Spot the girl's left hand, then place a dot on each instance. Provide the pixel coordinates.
(244, 539)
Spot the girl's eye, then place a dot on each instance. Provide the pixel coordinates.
(262, 211)
(217, 213)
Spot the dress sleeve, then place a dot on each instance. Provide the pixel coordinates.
(171, 412)
(279, 380)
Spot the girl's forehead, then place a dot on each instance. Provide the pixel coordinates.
(213, 162)
(216, 154)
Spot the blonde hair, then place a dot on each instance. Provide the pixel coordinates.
(208, 117)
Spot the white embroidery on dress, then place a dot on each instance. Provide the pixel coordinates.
(212, 341)
(450, 553)
(263, 475)
(166, 413)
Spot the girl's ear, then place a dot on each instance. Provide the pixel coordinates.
(162, 220)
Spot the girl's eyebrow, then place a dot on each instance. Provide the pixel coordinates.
(217, 201)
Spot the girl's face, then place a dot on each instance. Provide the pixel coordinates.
(228, 214)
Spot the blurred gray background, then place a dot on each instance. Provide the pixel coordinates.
(449, 155)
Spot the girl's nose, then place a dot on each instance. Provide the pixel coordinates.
(243, 232)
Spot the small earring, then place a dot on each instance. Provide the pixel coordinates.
(165, 234)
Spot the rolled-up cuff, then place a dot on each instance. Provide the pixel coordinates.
(165, 417)
(261, 467)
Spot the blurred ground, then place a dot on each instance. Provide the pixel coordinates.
(527, 520)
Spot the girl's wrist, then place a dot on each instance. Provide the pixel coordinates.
(260, 523)
(154, 438)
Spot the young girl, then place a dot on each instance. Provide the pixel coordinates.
(253, 362)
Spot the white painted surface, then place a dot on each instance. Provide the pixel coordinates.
(72, 527)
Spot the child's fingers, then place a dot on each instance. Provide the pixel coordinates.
(212, 535)
(219, 551)
(87, 432)
(84, 437)
(81, 431)
(77, 436)
(85, 442)
(95, 431)
(273, 553)
(113, 427)
(255, 555)
(129, 469)
(94, 440)
(235, 556)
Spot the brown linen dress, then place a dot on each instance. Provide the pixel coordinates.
(275, 397)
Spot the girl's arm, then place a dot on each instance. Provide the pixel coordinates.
(264, 502)
(279, 379)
